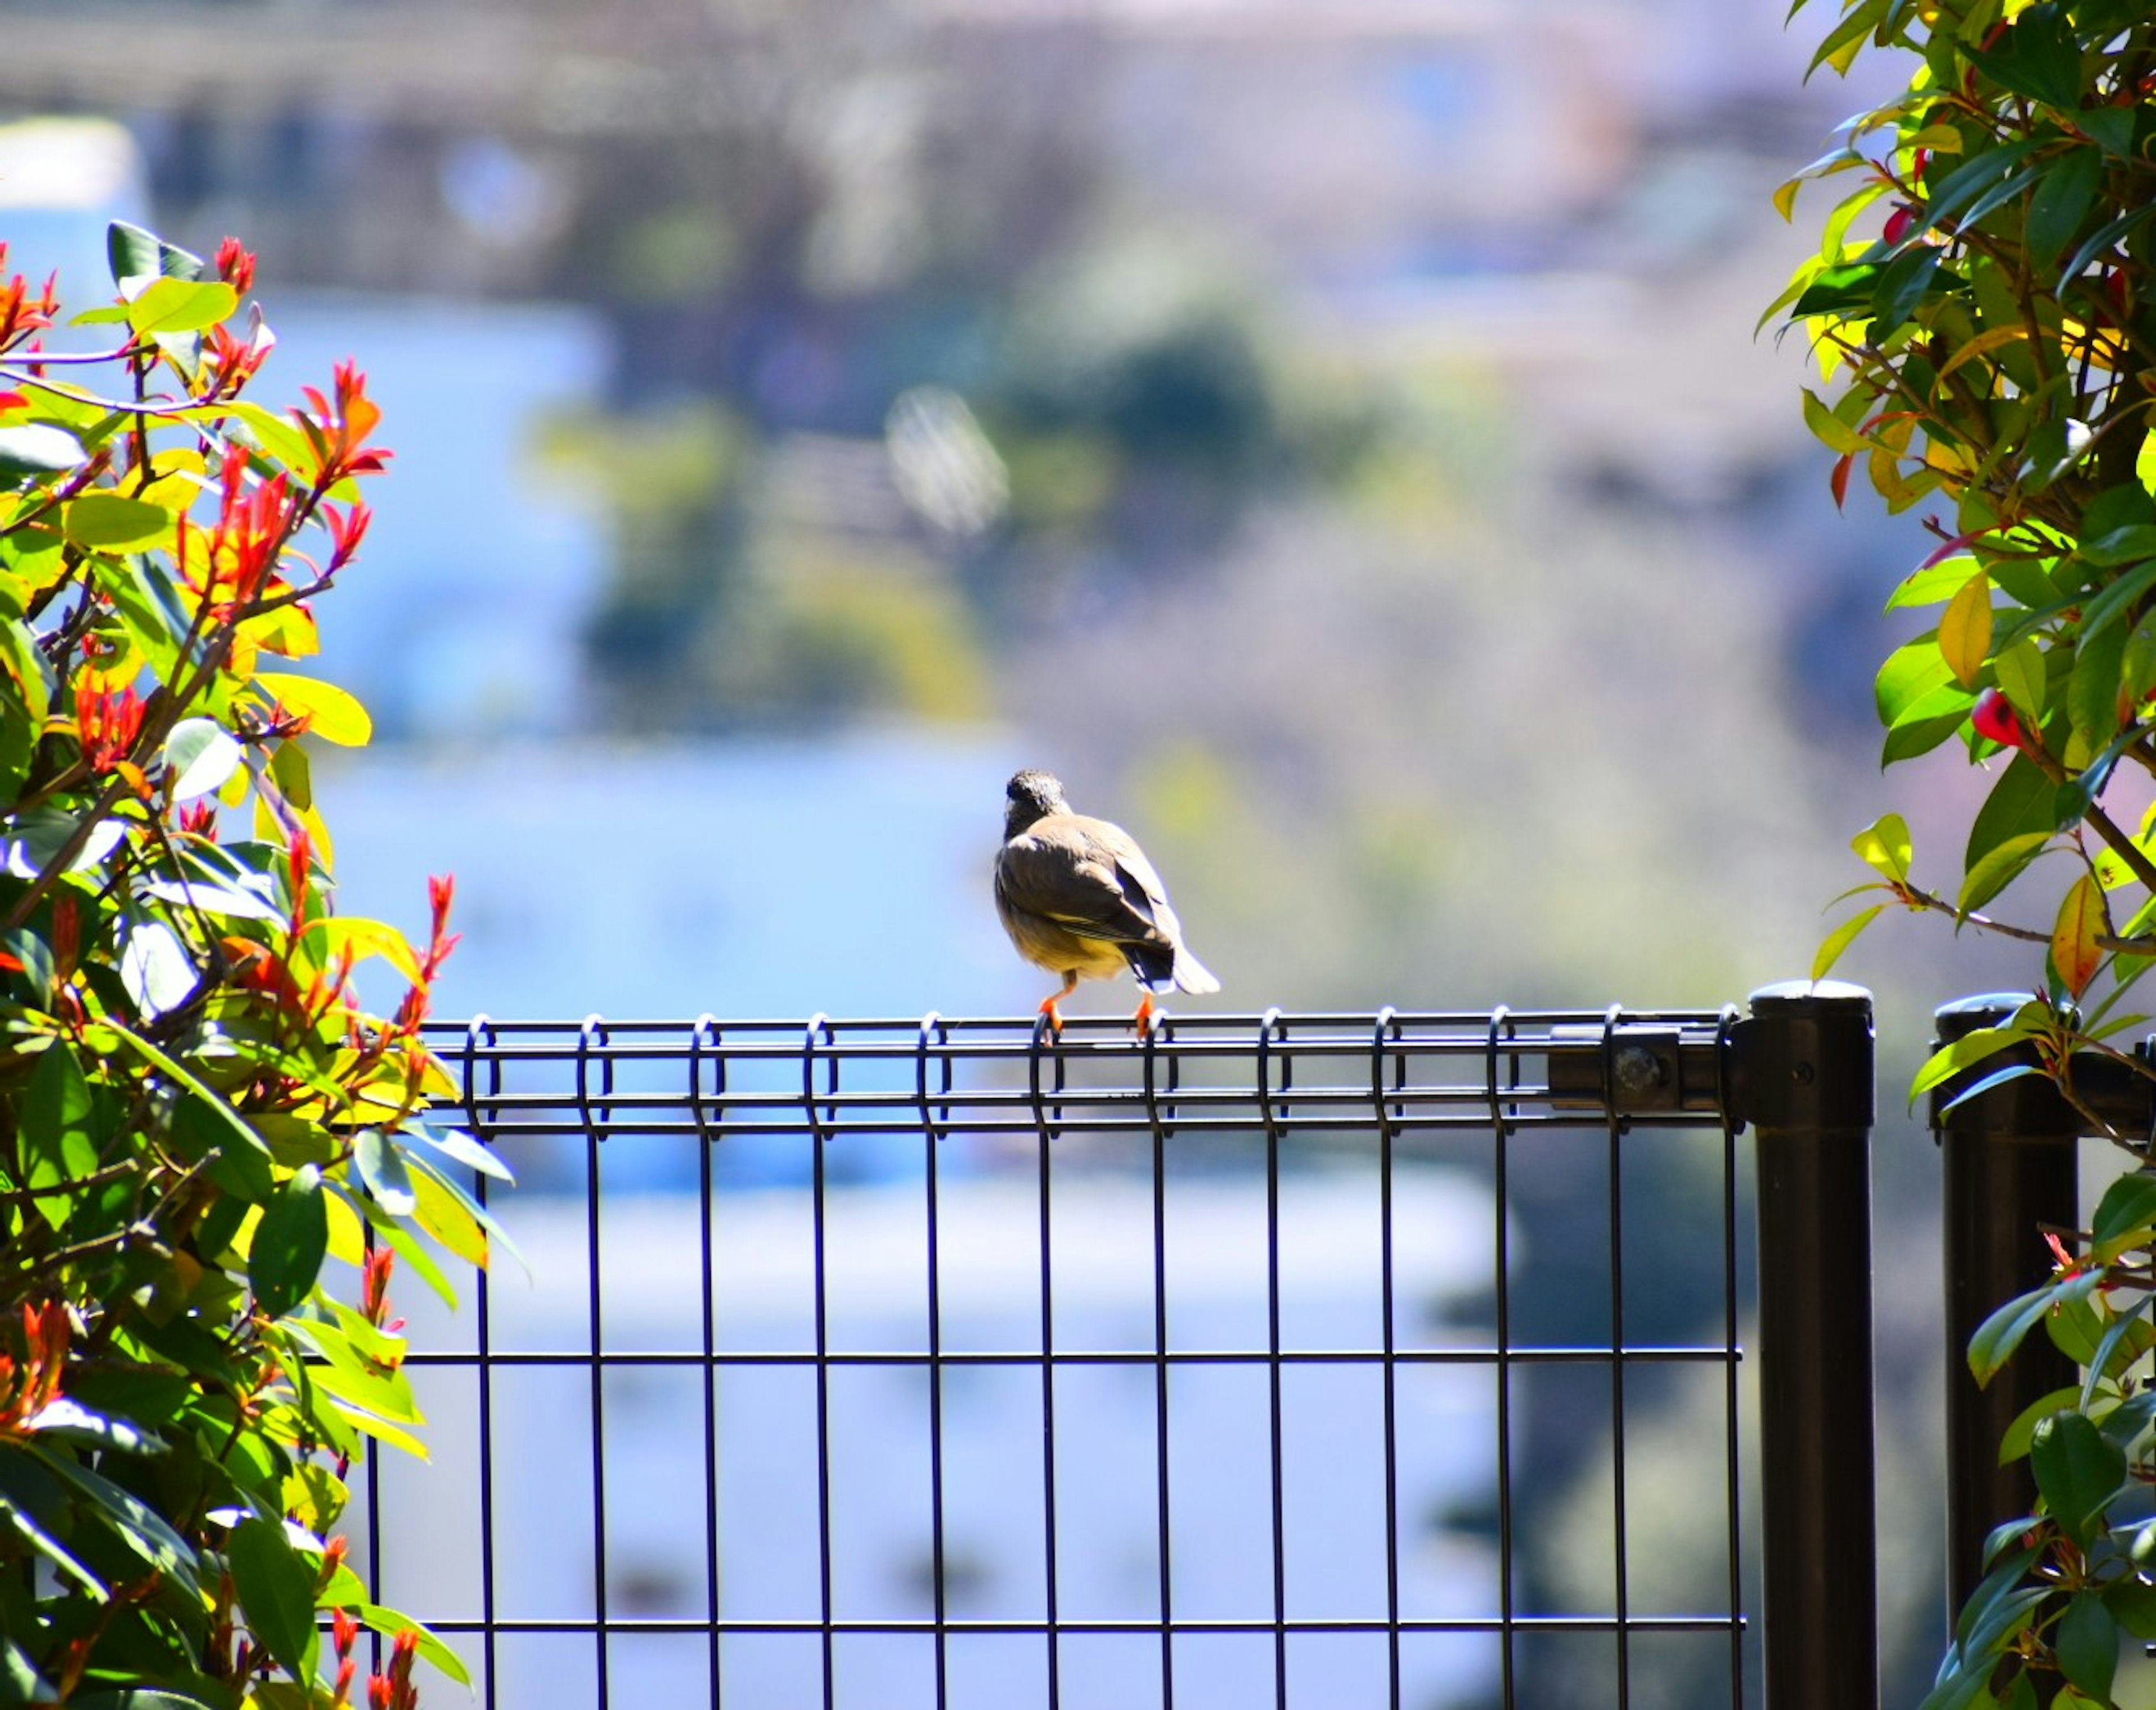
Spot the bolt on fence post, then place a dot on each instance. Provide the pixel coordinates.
(2010, 1166)
(1801, 1072)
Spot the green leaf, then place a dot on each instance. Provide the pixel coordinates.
(2024, 679)
(1841, 937)
(1911, 672)
(2128, 1205)
(39, 448)
(135, 254)
(2060, 202)
(2078, 1471)
(141, 1528)
(109, 522)
(458, 1147)
(203, 755)
(382, 1169)
(2101, 241)
(2037, 57)
(2133, 1605)
(57, 1139)
(2129, 545)
(1976, 176)
(20, 1682)
(391, 1622)
(2086, 1642)
(1999, 868)
(2023, 800)
(168, 305)
(2015, 1443)
(1998, 1335)
(276, 1588)
(289, 1244)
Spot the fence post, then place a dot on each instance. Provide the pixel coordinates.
(2010, 1166)
(1801, 1070)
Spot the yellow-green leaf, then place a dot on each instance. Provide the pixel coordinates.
(1965, 631)
(111, 522)
(347, 934)
(182, 305)
(1841, 937)
(1829, 428)
(333, 714)
(2074, 952)
(1884, 846)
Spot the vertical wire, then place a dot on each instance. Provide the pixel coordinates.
(1267, 1027)
(483, 1307)
(1387, 1022)
(934, 1032)
(1500, 1134)
(819, 1028)
(1731, 1435)
(592, 1034)
(1621, 1564)
(1045, 1133)
(707, 1030)
(1161, 1032)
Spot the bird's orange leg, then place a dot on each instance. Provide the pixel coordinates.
(1142, 1023)
(1049, 1003)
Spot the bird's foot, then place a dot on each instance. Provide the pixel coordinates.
(1142, 1023)
(1052, 1016)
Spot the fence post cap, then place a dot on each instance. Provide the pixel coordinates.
(1965, 1015)
(1810, 991)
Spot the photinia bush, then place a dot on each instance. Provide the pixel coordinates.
(197, 1115)
(1994, 349)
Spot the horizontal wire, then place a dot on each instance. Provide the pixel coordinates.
(1103, 1357)
(684, 1626)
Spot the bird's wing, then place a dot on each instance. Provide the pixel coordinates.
(1064, 870)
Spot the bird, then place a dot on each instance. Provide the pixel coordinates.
(1078, 898)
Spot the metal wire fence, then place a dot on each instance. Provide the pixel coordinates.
(946, 1363)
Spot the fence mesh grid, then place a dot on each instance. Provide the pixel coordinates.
(943, 1362)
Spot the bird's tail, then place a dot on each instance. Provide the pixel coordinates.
(1193, 975)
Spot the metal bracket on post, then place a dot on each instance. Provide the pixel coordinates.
(1799, 1069)
(2010, 1166)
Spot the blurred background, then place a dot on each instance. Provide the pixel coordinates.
(1330, 433)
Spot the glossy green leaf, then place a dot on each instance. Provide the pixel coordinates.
(2023, 801)
(458, 1146)
(276, 1588)
(57, 1143)
(2002, 1332)
(1911, 672)
(2015, 1443)
(2023, 678)
(2133, 1605)
(2086, 1642)
(37, 449)
(133, 1521)
(137, 256)
(2059, 202)
(383, 1171)
(2077, 1472)
(202, 755)
(290, 1243)
(1999, 868)
(390, 1622)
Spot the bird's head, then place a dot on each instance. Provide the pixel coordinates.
(1031, 796)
